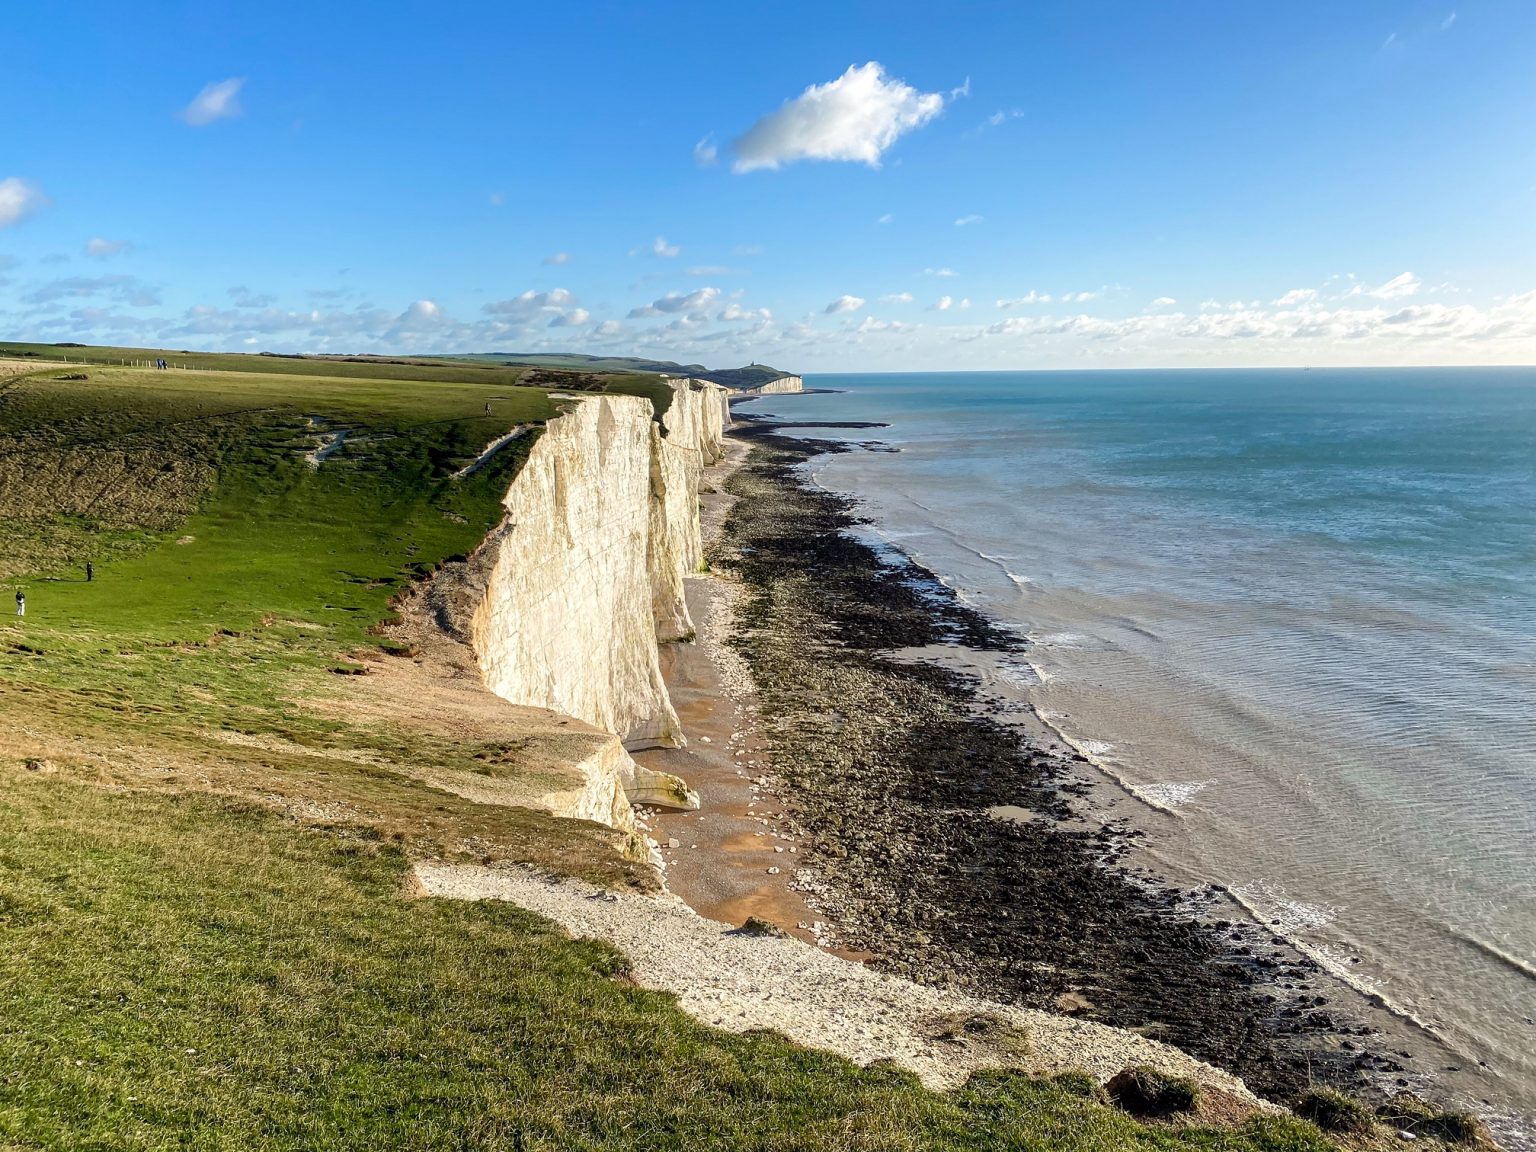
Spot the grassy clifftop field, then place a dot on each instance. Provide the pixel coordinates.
(205, 822)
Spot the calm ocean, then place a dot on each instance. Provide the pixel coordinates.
(1293, 612)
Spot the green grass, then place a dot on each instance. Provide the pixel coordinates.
(206, 945)
(182, 972)
(203, 519)
(415, 368)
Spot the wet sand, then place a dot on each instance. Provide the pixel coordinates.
(736, 857)
(718, 858)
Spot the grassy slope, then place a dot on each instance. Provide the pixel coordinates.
(142, 916)
(186, 973)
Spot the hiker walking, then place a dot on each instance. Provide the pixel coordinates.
(21, 602)
(90, 571)
(487, 407)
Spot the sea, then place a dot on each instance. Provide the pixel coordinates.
(1291, 615)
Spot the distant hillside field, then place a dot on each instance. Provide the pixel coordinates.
(738, 378)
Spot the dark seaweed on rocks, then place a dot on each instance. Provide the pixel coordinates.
(889, 767)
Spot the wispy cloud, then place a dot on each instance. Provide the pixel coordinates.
(19, 199)
(103, 248)
(888, 218)
(1404, 284)
(245, 298)
(675, 303)
(1163, 302)
(1296, 296)
(971, 219)
(854, 118)
(844, 304)
(945, 303)
(660, 247)
(558, 258)
(1030, 297)
(946, 273)
(897, 298)
(217, 101)
(125, 289)
(1445, 25)
(705, 153)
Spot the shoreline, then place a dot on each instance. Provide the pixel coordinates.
(1230, 972)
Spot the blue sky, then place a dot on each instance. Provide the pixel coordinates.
(823, 187)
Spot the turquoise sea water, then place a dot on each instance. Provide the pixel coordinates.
(1294, 613)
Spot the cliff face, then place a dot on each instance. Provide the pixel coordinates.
(782, 384)
(601, 526)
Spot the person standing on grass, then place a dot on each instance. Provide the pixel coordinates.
(21, 602)
(90, 571)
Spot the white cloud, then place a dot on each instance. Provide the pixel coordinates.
(734, 311)
(660, 247)
(705, 154)
(558, 258)
(897, 298)
(1405, 284)
(1163, 302)
(888, 218)
(1296, 296)
(673, 303)
(942, 304)
(530, 306)
(1389, 41)
(971, 219)
(844, 304)
(19, 199)
(610, 328)
(572, 319)
(1368, 333)
(1030, 297)
(870, 324)
(216, 101)
(103, 248)
(1002, 116)
(856, 117)
(1080, 297)
(944, 272)
(1445, 25)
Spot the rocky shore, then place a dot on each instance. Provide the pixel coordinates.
(891, 770)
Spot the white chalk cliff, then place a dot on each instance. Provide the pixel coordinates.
(780, 385)
(586, 579)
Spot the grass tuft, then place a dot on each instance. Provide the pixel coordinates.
(1144, 1091)
(1332, 1111)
